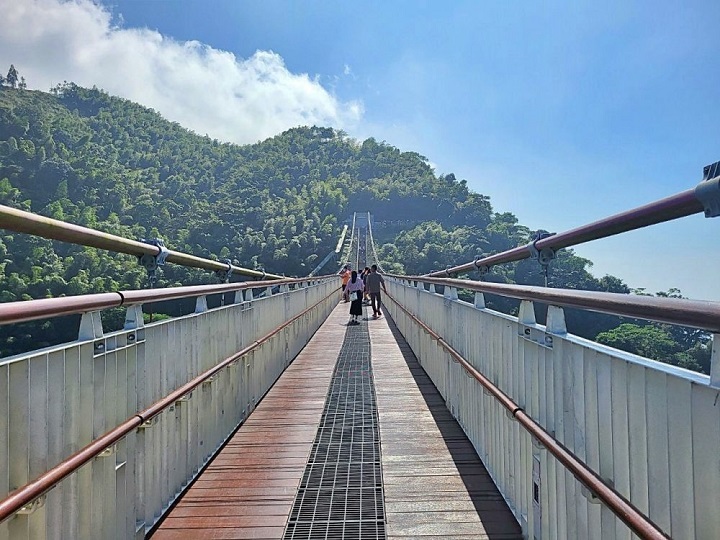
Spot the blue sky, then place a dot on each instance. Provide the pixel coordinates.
(562, 113)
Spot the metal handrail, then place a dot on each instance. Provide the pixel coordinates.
(701, 314)
(26, 222)
(32, 490)
(619, 505)
(30, 310)
(673, 207)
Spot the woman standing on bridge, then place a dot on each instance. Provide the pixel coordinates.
(354, 290)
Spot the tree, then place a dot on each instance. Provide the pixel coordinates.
(12, 76)
(23, 84)
(648, 341)
(612, 284)
(666, 343)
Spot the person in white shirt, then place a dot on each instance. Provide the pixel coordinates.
(354, 291)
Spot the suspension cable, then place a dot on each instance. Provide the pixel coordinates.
(673, 207)
(26, 222)
(372, 245)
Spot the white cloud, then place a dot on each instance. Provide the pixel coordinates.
(204, 89)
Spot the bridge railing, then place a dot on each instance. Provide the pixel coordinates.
(150, 253)
(704, 198)
(105, 432)
(648, 432)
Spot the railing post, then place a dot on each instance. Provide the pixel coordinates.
(90, 326)
(201, 304)
(479, 300)
(134, 317)
(526, 315)
(555, 323)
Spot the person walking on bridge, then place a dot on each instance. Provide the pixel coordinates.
(373, 282)
(345, 274)
(366, 295)
(354, 290)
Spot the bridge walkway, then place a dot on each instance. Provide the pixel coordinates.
(353, 441)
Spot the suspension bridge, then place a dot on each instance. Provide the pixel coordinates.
(261, 414)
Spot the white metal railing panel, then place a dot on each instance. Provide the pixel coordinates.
(4, 436)
(650, 430)
(705, 407)
(56, 401)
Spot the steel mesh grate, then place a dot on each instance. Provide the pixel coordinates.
(341, 492)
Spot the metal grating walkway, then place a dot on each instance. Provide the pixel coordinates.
(297, 458)
(341, 493)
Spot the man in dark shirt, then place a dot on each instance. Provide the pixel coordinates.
(373, 282)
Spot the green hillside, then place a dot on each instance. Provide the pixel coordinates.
(85, 157)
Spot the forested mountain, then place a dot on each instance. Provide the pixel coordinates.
(85, 157)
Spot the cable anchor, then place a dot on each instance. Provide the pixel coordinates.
(543, 256)
(224, 274)
(152, 262)
(483, 269)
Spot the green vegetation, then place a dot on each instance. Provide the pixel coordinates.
(661, 342)
(85, 157)
(688, 348)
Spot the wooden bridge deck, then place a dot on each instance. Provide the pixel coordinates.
(434, 484)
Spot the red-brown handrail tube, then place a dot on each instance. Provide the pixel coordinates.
(676, 206)
(30, 310)
(701, 314)
(32, 490)
(620, 506)
(53, 229)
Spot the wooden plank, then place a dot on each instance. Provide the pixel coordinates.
(247, 491)
(435, 484)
